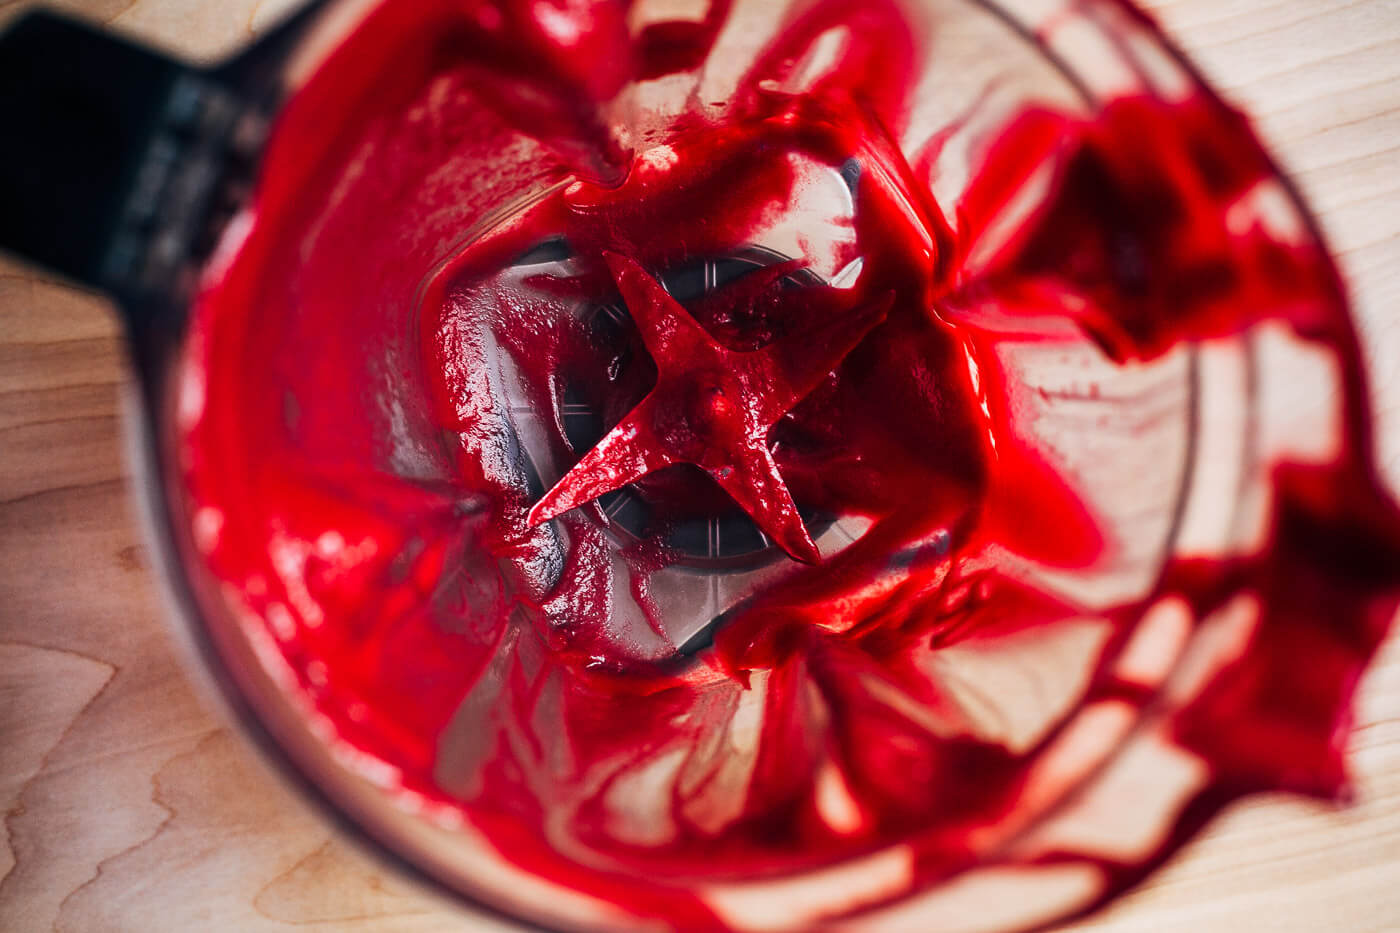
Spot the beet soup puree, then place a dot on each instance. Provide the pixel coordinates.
(745, 465)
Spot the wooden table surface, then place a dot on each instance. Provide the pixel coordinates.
(126, 804)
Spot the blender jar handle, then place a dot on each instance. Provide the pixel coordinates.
(96, 128)
(120, 165)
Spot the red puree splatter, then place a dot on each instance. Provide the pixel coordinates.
(361, 491)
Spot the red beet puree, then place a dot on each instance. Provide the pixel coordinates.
(654, 479)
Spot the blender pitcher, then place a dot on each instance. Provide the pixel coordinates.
(739, 465)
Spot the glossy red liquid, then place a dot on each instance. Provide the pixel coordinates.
(378, 528)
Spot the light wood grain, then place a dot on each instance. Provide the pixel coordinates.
(126, 805)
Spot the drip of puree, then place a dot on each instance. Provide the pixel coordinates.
(442, 211)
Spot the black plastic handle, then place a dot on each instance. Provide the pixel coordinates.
(118, 164)
(83, 114)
